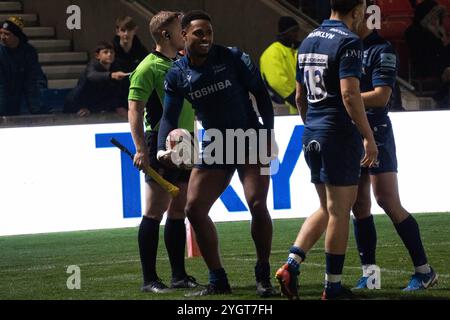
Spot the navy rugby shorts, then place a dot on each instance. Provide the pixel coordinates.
(334, 158)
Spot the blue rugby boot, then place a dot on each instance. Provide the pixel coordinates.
(362, 284)
(422, 281)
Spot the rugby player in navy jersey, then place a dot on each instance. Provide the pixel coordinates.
(217, 81)
(380, 70)
(330, 103)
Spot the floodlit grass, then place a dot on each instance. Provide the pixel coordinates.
(34, 267)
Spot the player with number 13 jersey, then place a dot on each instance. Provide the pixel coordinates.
(331, 53)
(329, 100)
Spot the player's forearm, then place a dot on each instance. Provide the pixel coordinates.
(169, 122)
(136, 120)
(378, 98)
(165, 128)
(265, 107)
(291, 99)
(301, 102)
(354, 105)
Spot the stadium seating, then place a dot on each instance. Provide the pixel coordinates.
(397, 16)
(445, 3)
(395, 8)
(401, 47)
(394, 29)
(61, 64)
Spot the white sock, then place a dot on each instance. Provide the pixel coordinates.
(296, 258)
(365, 269)
(423, 269)
(333, 278)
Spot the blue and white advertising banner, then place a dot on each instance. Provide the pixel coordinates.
(68, 178)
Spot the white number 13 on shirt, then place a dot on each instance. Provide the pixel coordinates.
(314, 67)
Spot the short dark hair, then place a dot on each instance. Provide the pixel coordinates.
(194, 15)
(345, 6)
(125, 23)
(103, 45)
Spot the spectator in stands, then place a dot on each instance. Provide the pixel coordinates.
(429, 45)
(129, 51)
(21, 76)
(98, 90)
(278, 63)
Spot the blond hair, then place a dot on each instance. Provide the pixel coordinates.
(161, 21)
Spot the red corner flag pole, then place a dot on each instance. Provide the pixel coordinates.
(192, 247)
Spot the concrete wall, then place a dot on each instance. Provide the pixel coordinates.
(250, 24)
(97, 20)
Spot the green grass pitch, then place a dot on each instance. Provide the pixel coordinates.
(34, 267)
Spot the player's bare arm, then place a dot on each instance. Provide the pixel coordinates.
(169, 122)
(353, 103)
(301, 101)
(378, 98)
(136, 119)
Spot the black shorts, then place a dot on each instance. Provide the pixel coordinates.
(171, 175)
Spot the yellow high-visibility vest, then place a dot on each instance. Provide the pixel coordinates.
(278, 68)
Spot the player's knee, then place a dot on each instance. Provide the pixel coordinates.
(338, 209)
(194, 212)
(386, 202)
(393, 208)
(188, 210)
(257, 207)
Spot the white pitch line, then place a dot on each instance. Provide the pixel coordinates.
(318, 265)
(378, 246)
(225, 257)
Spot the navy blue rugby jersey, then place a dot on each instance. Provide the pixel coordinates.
(218, 91)
(330, 53)
(380, 67)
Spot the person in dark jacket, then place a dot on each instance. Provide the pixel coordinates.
(129, 49)
(427, 31)
(21, 76)
(429, 45)
(130, 52)
(98, 90)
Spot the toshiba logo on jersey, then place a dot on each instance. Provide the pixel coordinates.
(216, 87)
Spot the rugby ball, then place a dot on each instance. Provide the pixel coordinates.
(181, 144)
